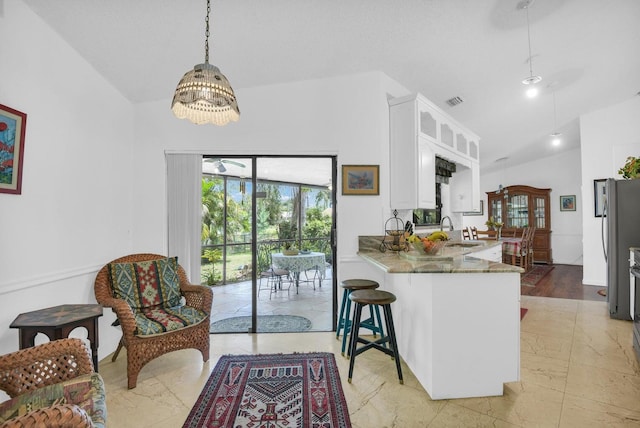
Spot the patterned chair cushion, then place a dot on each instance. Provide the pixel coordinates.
(147, 284)
(159, 320)
(85, 391)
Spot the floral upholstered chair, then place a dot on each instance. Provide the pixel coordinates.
(52, 385)
(158, 309)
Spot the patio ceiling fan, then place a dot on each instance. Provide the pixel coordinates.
(218, 164)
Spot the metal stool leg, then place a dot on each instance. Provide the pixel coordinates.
(341, 320)
(392, 335)
(354, 339)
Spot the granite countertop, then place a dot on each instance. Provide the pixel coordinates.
(456, 259)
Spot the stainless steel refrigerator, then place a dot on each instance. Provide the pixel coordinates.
(620, 230)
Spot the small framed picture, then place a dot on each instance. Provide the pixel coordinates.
(599, 196)
(12, 130)
(360, 179)
(480, 212)
(568, 203)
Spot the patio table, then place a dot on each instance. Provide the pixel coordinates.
(300, 263)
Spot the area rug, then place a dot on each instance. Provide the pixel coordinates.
(272, 390)
(531, 278)
(523, 312)
(266, 324)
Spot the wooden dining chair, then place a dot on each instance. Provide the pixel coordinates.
(474, 233)
(465, 234)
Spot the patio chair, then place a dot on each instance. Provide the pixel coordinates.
(157, 307)
(52, 385)
(275, 278)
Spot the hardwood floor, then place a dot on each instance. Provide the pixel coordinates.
(564, 282)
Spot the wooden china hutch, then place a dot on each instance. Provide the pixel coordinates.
(521, 206)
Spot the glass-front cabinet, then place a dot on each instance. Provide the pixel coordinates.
(522, 206)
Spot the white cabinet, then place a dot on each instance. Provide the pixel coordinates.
(465, 188)
(419, 132)
(412, 161)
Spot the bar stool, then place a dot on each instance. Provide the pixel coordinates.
(374, 298)
(344, 321)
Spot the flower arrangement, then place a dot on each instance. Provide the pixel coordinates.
(631, 168)
(492, 224)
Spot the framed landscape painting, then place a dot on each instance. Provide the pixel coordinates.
(360, 179)
(12, 131)
(568, 203)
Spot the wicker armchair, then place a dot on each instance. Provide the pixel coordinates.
(142, 346)
(52, 385)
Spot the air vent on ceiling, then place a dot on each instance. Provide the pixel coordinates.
(455, 101)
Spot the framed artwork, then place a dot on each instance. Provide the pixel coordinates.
(568, 203)
(12, 129)
(599, 196)
(360, 179)
(481, 212)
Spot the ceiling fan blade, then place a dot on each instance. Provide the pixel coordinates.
(240, 164)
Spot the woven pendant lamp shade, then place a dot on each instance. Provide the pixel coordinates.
(204, 95)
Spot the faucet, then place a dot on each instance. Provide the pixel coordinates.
(450, 222)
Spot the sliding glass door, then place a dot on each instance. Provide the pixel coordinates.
(269, 254)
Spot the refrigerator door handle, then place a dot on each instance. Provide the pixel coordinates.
(604, 215)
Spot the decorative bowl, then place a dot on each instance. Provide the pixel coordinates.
(436, 248)
(290, 252)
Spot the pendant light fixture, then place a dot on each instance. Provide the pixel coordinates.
(531, 81)
(555, 135)
(204, 94)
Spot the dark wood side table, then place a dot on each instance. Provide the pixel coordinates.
(57, 322)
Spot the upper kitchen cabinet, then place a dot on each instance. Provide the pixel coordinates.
(420, 131)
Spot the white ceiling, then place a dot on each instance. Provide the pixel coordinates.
(587, 52)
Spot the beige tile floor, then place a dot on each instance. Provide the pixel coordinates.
(577, 370)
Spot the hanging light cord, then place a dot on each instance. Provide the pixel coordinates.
(206, 34)
(529, 38)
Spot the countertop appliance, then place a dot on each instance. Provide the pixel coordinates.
(620, 231)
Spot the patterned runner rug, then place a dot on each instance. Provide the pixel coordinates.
(531, 278)
(272, 390)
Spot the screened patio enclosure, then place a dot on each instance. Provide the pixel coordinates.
(268, 242)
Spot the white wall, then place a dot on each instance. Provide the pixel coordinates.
(608, 136)
(561, 173)
(343, 116)
(74, 213)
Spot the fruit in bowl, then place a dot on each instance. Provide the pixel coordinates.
(435, 242)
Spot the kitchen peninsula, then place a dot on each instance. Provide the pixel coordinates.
(457, 316)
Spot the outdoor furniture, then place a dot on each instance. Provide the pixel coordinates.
(51, 385)
(301, 263)
(146, 291)
(274, 278)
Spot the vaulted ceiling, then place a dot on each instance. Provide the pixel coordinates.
(585, 50)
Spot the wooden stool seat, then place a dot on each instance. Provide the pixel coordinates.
(359, 284)
(375, 299)
(344, 320)
(372, 297)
